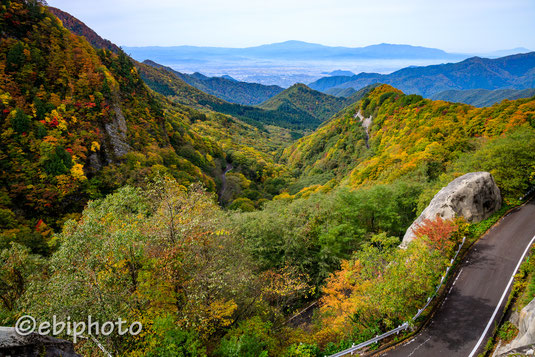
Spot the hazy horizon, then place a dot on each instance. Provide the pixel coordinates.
(483, 25)
(316, 43)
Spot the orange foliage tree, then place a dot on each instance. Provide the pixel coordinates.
(438, 233)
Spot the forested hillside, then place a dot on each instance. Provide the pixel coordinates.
(79, 123)
(230, 90)
(77, 27)
(126, 194)
(409, 136)
(300, 98)
(167, 82)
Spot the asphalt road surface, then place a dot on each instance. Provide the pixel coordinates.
(463, 323)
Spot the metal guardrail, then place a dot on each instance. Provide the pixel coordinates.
(429, 299)
(372, 341)
(529, 192)
(405, 325)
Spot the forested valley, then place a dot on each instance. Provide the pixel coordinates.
(225, 229)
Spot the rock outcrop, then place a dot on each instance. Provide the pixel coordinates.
(366, 123)
(473, 196)
(117, 130)
(525, 340)
(13, 344)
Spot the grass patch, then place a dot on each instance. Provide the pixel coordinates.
(478, 229)
(507, 332)
(526, 281)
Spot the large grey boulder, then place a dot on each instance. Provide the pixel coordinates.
(525, 340)
(13, 344)
(473, 196)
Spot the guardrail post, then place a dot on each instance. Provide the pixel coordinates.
(405, 325)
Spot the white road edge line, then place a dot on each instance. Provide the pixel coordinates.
(501, 300)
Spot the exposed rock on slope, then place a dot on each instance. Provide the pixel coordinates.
(525, 339)
(366, 123)
(13, 344)
(473, 196)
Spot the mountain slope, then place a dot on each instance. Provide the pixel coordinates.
(169, 83)
(517, 72)
(483, 97)
(301, 98)
(227, 89)
(339, 92)
(77, 123)
(409, 136)
(79, 28)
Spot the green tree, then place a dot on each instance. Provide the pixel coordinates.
(59, 162)
(18, 268)
(20, 122)
(509, 158)
(15, 56)
(166, 339)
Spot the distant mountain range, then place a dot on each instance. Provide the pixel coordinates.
(290, 50)
(226, 87)
(483, 97)
(476, 81)
(339, 72)
(289, 62)
(514, 72)
(503, 53)
(299, 50)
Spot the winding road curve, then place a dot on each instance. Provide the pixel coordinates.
(223, 188)
(463, 323)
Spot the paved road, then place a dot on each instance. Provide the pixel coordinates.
(485, 272)
(223, 188)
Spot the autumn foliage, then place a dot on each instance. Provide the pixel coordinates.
(437, 233)
(109, 204)
(410, 136)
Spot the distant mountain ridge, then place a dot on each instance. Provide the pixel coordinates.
(340, 72)
(483, 97)
(226, 87)
(293, 50)
(515, 72)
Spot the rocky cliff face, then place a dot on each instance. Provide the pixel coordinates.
(473, 196)
(13, 344)
(524, 342)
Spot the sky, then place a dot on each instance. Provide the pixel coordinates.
(465, 26)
